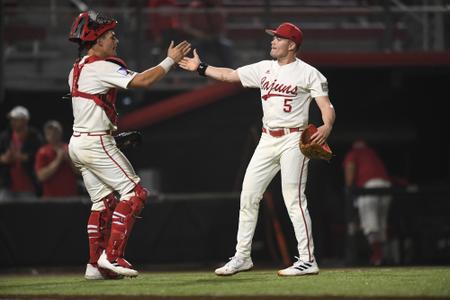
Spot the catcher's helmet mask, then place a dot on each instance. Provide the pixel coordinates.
(89, 26)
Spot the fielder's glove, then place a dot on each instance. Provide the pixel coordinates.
(128, 139)
(312, 150)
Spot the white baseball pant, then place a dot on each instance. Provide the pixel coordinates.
(271, 155)
(373, 209)
(104, 167)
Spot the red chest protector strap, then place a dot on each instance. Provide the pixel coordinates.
(106, 101)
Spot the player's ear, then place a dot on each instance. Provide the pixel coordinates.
(101, 39)
(292, 46)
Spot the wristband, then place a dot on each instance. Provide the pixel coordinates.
(202, 69)
(166, 64)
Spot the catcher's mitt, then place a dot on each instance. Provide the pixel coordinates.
(313, 151)
(128, 139)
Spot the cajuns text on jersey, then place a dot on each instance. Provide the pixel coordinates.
(286, 90)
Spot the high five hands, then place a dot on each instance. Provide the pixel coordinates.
(190, 63)
(179, 51)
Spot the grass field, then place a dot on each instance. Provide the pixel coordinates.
(414, 282)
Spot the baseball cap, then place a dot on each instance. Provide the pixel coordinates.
(288, 31)
(19, 112)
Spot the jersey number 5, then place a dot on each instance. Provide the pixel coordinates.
(287, 105)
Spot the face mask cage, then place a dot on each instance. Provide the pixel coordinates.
(98, 19)
(79, 28)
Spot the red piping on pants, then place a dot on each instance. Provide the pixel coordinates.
(301, 209)
(117, 164)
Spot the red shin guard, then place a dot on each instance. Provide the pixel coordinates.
(99, 228)
(123, 220)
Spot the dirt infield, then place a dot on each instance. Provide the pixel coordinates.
(59, 297)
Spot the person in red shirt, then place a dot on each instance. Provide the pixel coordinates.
(18, 146)
(363, 168)
(53, 166)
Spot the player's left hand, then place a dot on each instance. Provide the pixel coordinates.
(321, 135)
(311, 149)
(179, 51)
(190, 63)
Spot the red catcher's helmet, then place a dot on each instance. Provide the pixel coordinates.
(89, 26)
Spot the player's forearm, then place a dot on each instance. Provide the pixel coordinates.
(222, 74)
(328, 115)
(327, 111)
(151, 76)
(147, 78)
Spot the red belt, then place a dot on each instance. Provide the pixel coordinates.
(92, 133)
(280, 132)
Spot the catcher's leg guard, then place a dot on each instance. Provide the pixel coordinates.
(123, 220)
(99, 228)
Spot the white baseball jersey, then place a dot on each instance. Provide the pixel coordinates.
(286, 90)
(286, 93)
(97, 78)
(104, 167)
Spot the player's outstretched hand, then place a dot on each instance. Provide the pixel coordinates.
(190, 63)
(179, 51)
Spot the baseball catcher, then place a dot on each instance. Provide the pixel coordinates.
(313, 150)
(94, 79)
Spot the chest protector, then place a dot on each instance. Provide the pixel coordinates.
(106, 101)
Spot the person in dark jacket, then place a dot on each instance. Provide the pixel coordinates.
(18, 146)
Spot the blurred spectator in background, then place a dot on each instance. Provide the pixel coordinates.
(18, 146)
(205, 26)
(164, 25)
(53, 166)
(363, 168)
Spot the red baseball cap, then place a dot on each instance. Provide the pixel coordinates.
(288, 31)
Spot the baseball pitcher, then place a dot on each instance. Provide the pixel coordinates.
(287, 86)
